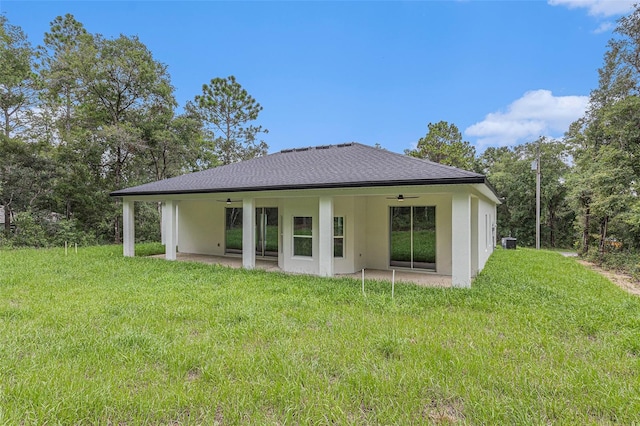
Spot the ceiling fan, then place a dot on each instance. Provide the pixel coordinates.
(228, 201)
(399, 198)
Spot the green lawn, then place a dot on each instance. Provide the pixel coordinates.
(424, 246)
(234, 238)
(95, 338)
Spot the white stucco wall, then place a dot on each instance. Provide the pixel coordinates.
(359, 229)
(201, 227)
(443, 235)
(486, 222)
(475, 238)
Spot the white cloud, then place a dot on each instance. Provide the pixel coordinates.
(536, 113)
(598, 7)
(604, 27)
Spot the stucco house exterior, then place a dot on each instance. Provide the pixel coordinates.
(328, 210)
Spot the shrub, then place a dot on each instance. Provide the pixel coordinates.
(34, 229)
(627, 262)
(29, 232)
(67, 230)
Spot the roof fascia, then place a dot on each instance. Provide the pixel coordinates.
(426, 182)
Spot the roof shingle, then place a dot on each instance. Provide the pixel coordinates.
(328, 166)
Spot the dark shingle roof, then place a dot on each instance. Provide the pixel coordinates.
(330, 166)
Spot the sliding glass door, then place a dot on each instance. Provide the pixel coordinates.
(266, 231)
(413, 237)
(233, 230)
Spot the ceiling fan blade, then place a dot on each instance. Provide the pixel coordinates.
(401, 197)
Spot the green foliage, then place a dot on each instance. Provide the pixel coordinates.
(25, 171)
(509, 171)
(36, 229)
(443, 144)
(228, 109)
(16, 78)
(95, 338)
(147, 222)
(67, 230)
(29, 232)
(606, 146)
(85, 115)
(624, 261)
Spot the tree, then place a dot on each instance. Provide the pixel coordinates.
(227, 110)
(24, 176)
(443, 144)
(123, 85)
(60, 58)
(606, 145)
(84, 115)
(16, 101)
(173, 145)
(16, 78)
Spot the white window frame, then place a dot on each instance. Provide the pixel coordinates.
(294, 236)
(487, 230)
(339, 237)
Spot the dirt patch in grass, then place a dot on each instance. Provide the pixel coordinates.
(444, 411)
(623, 281)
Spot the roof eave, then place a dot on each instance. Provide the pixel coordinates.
(364, 184)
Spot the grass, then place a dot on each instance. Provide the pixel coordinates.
(95, 338)
(424, 246)
(234, 238)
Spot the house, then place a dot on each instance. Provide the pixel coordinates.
(328, 210)
(4, 217)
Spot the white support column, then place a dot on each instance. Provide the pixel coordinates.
(325, 236)
(248, 233)
(169, 222)
(461, 240)
(163, 215)
(128, 228)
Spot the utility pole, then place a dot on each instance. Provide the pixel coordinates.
(538, 202)
(535, 165)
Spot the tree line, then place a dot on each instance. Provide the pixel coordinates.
(83, 115)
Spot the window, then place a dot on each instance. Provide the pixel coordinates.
(487, 229)
(302, 236)
(233, 230)
(338, 236)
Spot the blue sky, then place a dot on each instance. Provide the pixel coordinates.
(505, 72)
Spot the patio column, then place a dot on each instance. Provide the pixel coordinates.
(128, 228)
(248, 233)
(461, 240)
(163, 216)
(325, 236)
(169, 222)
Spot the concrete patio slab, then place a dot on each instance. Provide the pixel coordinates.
(425, 279)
